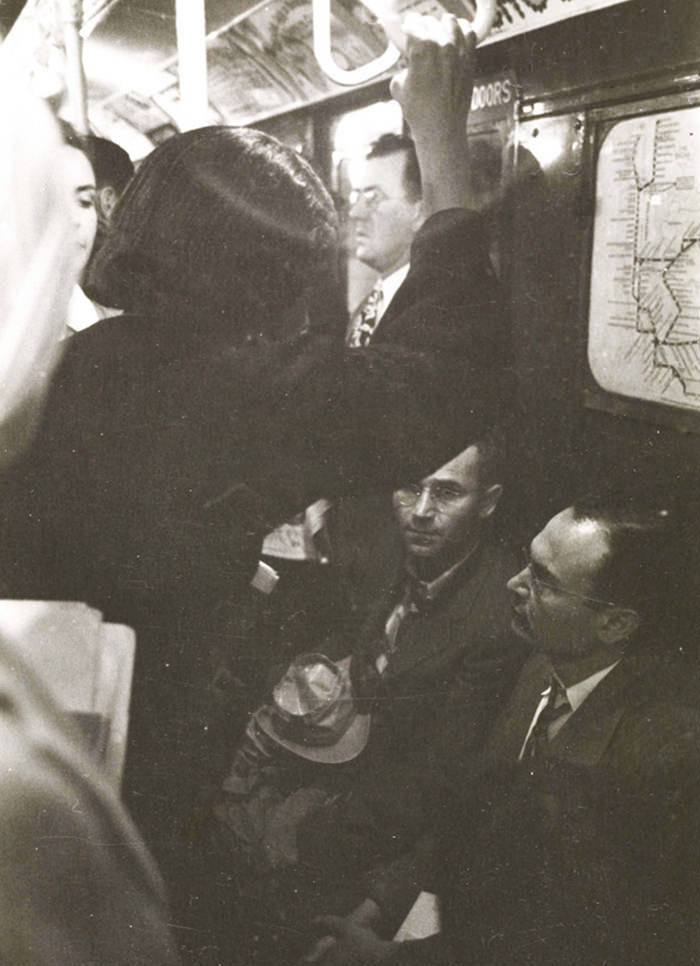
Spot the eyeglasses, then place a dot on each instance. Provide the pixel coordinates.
(538, 584)
(442, 496)
(372, 197)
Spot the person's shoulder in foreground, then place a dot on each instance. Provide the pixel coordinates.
(79, 885)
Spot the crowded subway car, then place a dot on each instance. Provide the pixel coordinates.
(349, 424)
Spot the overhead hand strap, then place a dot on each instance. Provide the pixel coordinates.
(391, 18)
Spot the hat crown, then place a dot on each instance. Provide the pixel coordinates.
(311, 686)
(312, 712)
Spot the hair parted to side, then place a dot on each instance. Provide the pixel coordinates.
(220, 223)
(647, 564)
(388, 144)
(492, 457)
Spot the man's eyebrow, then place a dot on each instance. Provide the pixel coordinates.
(453, 484)
(86, 187)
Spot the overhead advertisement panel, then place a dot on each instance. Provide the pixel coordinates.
(517, 16)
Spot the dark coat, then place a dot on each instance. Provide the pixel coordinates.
(450, 275)
(464, 633)
(587, 857)
(418, 723)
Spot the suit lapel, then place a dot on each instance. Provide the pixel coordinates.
(585, 737)
(511, 727)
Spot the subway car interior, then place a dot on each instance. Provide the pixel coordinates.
(350, 475)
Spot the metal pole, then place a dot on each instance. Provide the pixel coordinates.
(192, 62)
(72, 17)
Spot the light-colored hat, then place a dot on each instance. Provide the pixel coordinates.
(313, 713)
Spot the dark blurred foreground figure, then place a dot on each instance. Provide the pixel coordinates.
(576, 839)
(177, 435)
(77, 884)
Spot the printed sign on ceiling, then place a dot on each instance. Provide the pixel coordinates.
(517, 16)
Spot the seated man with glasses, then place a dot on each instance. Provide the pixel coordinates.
(445, 616)
(576, 838)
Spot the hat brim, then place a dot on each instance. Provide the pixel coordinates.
(345, 749)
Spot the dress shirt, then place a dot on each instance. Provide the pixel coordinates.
(83, 312)
(390, 286)
(575, 695)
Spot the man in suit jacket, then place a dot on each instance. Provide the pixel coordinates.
(576, 839)
(447, 605)
(445, 616)
(385, 214)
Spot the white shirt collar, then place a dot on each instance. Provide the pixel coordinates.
(83, 312)
(577, 693)
(390, 286)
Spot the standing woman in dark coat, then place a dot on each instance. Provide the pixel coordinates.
(178, 434)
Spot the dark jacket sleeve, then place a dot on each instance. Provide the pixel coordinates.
(451, 301)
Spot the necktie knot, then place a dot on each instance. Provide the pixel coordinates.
(553, 705)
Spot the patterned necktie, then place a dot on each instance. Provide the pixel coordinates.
(366, 320)
(553, 705)
(413, 602)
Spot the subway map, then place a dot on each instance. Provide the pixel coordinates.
(644, 320)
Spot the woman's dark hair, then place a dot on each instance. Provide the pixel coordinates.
(219, 223)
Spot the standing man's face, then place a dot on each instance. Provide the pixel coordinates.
(384, 221)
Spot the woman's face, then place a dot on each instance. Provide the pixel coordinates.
(83, 211)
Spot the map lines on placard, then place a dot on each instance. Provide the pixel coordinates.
(644, 325)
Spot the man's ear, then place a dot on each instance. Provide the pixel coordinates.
(489, 500)
(617, 623)
(107, 199)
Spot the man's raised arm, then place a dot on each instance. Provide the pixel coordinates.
(435, 93)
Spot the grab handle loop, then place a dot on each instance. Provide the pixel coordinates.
(388, 15)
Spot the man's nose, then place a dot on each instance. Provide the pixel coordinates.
(424, 506)
(518, 583)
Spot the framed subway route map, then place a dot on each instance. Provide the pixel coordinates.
(644, 309)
